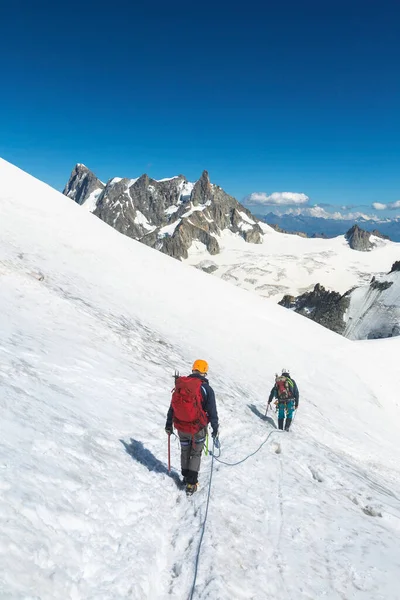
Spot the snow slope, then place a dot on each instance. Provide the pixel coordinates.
(93, 325)
(374, 310)
(290, 264)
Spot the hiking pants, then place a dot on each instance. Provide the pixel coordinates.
(285, 407)
(191, 448)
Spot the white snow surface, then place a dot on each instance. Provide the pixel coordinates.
(168, 229)
(171, 210)
(91, 334)
(185, 188)
(91, 201)
(140, 219)
(374, 312)
(290, 264)
(115, 180)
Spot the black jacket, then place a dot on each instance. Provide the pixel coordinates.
(208, 404)
(296, 395)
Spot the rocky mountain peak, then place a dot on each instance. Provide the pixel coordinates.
(395, 266)
(81, 184)
(320, 305)
(202, 191)
(168, 214)
(359, 239)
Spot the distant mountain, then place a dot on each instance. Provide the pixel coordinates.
(366, 312)
(360, 239)
(318, 226)
(169, 214)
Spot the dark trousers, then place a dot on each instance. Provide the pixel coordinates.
(191, 448)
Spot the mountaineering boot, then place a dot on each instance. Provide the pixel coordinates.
(280, 423)
(191, 488)
(287, 424)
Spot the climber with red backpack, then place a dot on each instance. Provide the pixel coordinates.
(192, 408)
(286, 392)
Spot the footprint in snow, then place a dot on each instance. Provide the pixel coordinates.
(316, 475)
(276, 447)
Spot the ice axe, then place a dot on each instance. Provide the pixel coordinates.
(169, 453)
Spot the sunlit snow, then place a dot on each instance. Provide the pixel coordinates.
(93, 326)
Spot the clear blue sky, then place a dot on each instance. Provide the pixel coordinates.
(300, 96)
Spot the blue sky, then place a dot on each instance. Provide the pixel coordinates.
(268, 97)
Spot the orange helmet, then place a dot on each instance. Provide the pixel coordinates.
(201, 366)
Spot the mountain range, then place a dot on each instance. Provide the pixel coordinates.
(93, 326)
(169, 214)
(199, 223)
(317, 226)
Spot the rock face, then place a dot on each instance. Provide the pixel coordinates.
(395, 266)
(322, 306)
(367, 312)
(82, 184)
(359, 239)
(374, 310)
(169, 214)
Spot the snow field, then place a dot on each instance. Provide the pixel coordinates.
(86, 362)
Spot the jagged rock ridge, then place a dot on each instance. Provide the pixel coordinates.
(322, 306)
(367, 312)
(359, 239)
(82, 184)
(169, 214)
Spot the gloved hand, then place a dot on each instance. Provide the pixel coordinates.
(269, 401)
(296, 405)
(214, 436)
(169, 430)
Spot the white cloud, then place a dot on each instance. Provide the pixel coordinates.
(389, 206)
(319, 211)
(276, 198)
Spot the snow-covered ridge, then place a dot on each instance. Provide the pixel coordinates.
(374, 310)
(91, 333)
(291, 265)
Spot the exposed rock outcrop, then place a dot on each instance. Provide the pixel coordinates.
(359, 239)
(395, 266)
(367, 312)
(170, 214)
(82, 184)
(320, 305)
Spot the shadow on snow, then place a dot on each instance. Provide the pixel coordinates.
(262, 416)
(142, 455)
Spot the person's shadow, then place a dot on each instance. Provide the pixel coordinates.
(262, 416)
(142, 455)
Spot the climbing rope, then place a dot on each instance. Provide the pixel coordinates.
(203, 526)
(247, 457)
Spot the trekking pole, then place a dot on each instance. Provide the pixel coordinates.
(206, 446)
(266, 411)
(169, 453)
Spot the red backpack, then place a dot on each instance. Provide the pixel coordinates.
(284, 387)
(189, 416)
